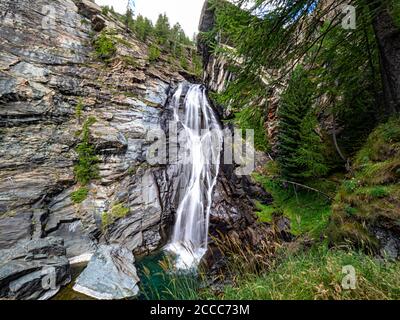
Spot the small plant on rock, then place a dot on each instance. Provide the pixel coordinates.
(86, 169)
(154, 53)
(104, 46)
(80, 195)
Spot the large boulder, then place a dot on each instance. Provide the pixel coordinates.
(34, 270)
(110, 275)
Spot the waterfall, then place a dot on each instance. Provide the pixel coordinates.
(200, 144)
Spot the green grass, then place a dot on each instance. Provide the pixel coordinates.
(264, 213)
(308, 211)
(130, 61)
(159, 280)
(317, 274)
(80, 195)
(371, 194)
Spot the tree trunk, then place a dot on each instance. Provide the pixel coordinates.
(388, 39)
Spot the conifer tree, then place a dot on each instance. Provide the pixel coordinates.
(295, 103)
(162, 29)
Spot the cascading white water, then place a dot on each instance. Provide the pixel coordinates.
(199, 164)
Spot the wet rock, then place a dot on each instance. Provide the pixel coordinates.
(34, 270)
(110, 275)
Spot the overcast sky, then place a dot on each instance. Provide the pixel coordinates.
(186, 12)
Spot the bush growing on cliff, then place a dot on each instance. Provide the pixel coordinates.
(197, 65)
(117, 211)
(184, 63)
(79, 109)
(154, 53)
(104, 46)
(79, 195)
(86, 169)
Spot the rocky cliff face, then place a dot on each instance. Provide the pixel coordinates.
(47, 66)
(216, 71)
(48, 71)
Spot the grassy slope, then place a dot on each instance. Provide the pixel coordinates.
(370, 193)
(370, 197)
(308, 211)
(317, 274)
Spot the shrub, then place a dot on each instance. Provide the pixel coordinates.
(184, 63)
(154, 53)
(117, 212)
(105, 10)
(104, 46)
(80, 195)
(86, 169)
(197, 65)
(79, 109)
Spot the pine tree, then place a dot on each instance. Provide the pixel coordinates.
(143, 28)
(162, 29)
(310, 155)
(295, 103)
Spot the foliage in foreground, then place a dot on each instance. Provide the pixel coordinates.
(317, 274)
(328, 83)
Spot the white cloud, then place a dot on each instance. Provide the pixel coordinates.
(186, 12)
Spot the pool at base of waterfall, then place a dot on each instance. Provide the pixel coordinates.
(186, 258)
(157, 281)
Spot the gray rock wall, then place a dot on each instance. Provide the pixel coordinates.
(44, 72)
